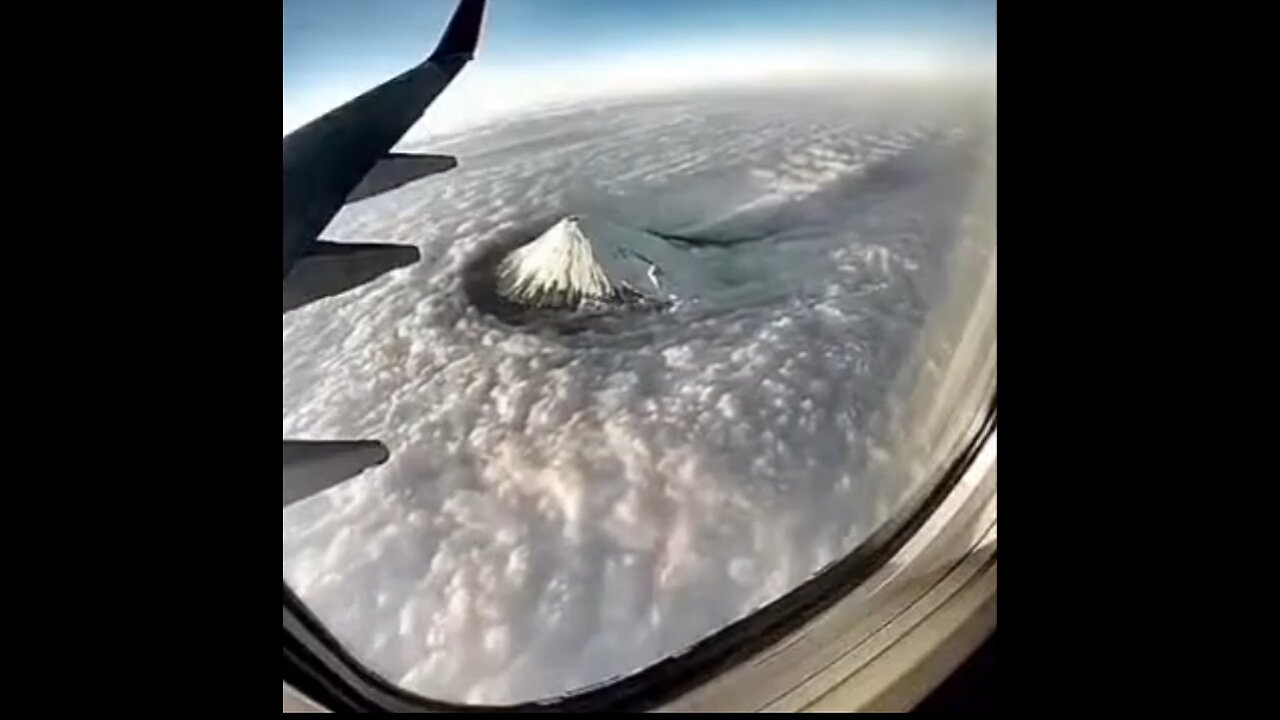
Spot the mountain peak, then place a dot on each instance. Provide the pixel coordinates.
(559, 269)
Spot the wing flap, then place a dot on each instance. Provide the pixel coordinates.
(398, 169)
(333, 268)
(313, 466)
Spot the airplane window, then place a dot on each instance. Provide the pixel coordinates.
(660, 310)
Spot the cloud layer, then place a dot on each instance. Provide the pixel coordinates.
(563, 509)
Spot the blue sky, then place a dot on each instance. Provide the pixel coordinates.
(333, 48)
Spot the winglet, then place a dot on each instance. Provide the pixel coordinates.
(463, 33)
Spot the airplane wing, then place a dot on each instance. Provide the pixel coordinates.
(338, 158)
(327, 161)
(311, 466)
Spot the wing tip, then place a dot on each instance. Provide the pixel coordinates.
(463, 32)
